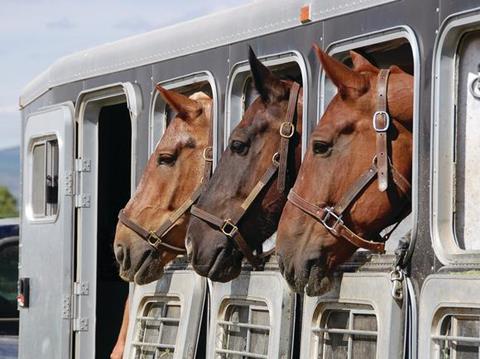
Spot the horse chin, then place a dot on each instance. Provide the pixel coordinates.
(313, 281)
(225, 267)
(150, 270)
(318, 285)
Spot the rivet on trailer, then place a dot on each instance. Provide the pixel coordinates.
(89, 128)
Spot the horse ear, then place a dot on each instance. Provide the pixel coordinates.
(361, 64)
(185, 107)
(267, 84)
(348, 82)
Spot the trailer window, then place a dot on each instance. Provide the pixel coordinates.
(458, 337)
(242, 92)
(156, 329)
(44, 195)
(162, 114)
(456, 153)
(346, 333)
(467, 137)
(390, 49)
(244, 331)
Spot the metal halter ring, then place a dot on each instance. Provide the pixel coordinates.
(153, 239)
(331, 214)
(386, 116)
(208, 154)
(290, 129)
(276, 158)
(228, 228)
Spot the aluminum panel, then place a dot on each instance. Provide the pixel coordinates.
(183, 284)
(371, 289)
(250, 287)
(444, 294)
(46, 244)
(252, 20)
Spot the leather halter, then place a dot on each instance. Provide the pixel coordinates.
(155, 238)
(229, 226)
(331, 216)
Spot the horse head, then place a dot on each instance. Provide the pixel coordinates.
(152, 227)
(243, 200)
(355, 178)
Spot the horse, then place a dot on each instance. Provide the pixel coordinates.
(242, 202)
(355, 178)
(170, 184)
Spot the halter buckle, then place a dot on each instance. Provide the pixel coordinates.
(153, 239)
(228, 228)
(329, 213)
(208, 154)
(386, 118)
(276, 159)
(287, 129)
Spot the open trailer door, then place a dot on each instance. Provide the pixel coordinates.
(46, 241)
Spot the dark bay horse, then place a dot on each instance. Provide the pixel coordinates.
(355, 178)
(152, 227)
(243, 201)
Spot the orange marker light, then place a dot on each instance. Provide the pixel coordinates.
(305, 15)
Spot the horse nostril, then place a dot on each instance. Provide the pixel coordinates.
(121, 254)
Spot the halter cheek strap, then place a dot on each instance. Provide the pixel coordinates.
(381, 123)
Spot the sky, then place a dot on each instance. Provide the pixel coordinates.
(34, 33)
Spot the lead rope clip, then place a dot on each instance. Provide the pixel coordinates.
(397, 277)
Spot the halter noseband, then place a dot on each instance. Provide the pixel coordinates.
(229, 226)
(331, 217)
(155, 238)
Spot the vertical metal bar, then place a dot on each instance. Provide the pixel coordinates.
(350, 327)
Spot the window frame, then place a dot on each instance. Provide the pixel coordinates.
(159, 116)
(385, 35)
(442, 295)
(45, 140)
(239, 73)
(319, 329)
(351, 290)
(166, 300)
(444, 112)
(223, 323)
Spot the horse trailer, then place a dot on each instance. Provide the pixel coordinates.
(91, 120)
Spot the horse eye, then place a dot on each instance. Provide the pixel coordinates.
(239, 147)
(166, 160)
(321, 148)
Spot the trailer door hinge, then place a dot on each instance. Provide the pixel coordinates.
(83, 165)
(80, 324)
(82, 200)
(80, 288)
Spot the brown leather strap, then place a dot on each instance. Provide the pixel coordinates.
(151, 237)
(381, 123)
(334, 223)
(287, 130)
(208, 151)
(229, 226)
(355, 189)
(230, 230)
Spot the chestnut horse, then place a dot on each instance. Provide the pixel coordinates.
(242, 203)
(354, 180)
(152, 227)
